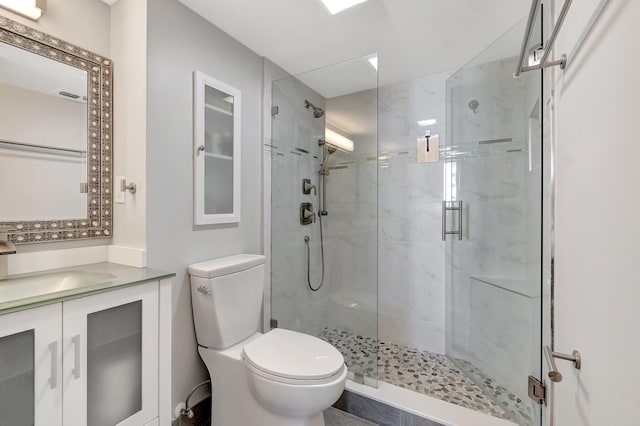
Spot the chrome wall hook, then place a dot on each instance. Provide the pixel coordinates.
(131, 187)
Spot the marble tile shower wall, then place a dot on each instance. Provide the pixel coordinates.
(411, 253)
(403, 195)
(347, 299)
(351, 225)
(350, 242)
(295, 155)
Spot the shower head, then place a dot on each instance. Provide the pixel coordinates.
(317, 111)
(327, 150)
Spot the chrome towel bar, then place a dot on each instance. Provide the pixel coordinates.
(43, 149)
(548, 46)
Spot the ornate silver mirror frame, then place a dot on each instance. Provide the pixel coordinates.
(98, 222)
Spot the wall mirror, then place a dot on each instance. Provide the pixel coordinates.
(55, 138)
(216, 151)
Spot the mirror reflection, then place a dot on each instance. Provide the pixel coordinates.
(43, 137)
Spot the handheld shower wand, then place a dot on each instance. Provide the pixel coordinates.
(327, 150)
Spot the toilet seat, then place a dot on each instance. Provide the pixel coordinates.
(291, 381)
(287, 356)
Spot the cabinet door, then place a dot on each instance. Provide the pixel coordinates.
(217, 146)
(110, 368)
(30, 362)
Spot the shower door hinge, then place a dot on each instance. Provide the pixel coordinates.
(537, 390)
(275, 110)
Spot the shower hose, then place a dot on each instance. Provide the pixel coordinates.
(306, 240)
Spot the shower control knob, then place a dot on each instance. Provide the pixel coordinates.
(307, 216)
(307, 186)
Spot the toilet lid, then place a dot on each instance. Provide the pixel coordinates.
(294, 355)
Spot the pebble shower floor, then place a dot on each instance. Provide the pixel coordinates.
(428, 373)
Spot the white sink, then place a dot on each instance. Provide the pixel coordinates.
(21, 288)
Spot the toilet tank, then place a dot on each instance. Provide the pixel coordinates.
(226, 295)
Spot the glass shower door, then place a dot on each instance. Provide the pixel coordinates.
(493, 174)
(324, 209)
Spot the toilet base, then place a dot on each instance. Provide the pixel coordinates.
(232, 403)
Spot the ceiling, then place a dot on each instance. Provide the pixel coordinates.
(412, 37)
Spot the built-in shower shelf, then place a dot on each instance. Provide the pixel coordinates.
(521, 287)
(218, 156)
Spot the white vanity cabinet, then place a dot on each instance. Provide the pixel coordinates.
(30, 366)
(92, 360)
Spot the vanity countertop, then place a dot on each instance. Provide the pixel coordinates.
(26, 291)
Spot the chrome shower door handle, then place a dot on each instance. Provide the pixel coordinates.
(445, 208)
(444, 220)
(460, 220)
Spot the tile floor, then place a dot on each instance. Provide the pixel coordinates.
(432, 374)
(335, 417)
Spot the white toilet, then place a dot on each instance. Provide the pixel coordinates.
(281, 378)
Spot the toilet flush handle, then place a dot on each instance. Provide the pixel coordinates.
(204, 290)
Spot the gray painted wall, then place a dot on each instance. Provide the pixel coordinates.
(179, 42)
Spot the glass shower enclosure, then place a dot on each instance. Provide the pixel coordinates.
(424, 270)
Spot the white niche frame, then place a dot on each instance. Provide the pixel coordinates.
(200, 216)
